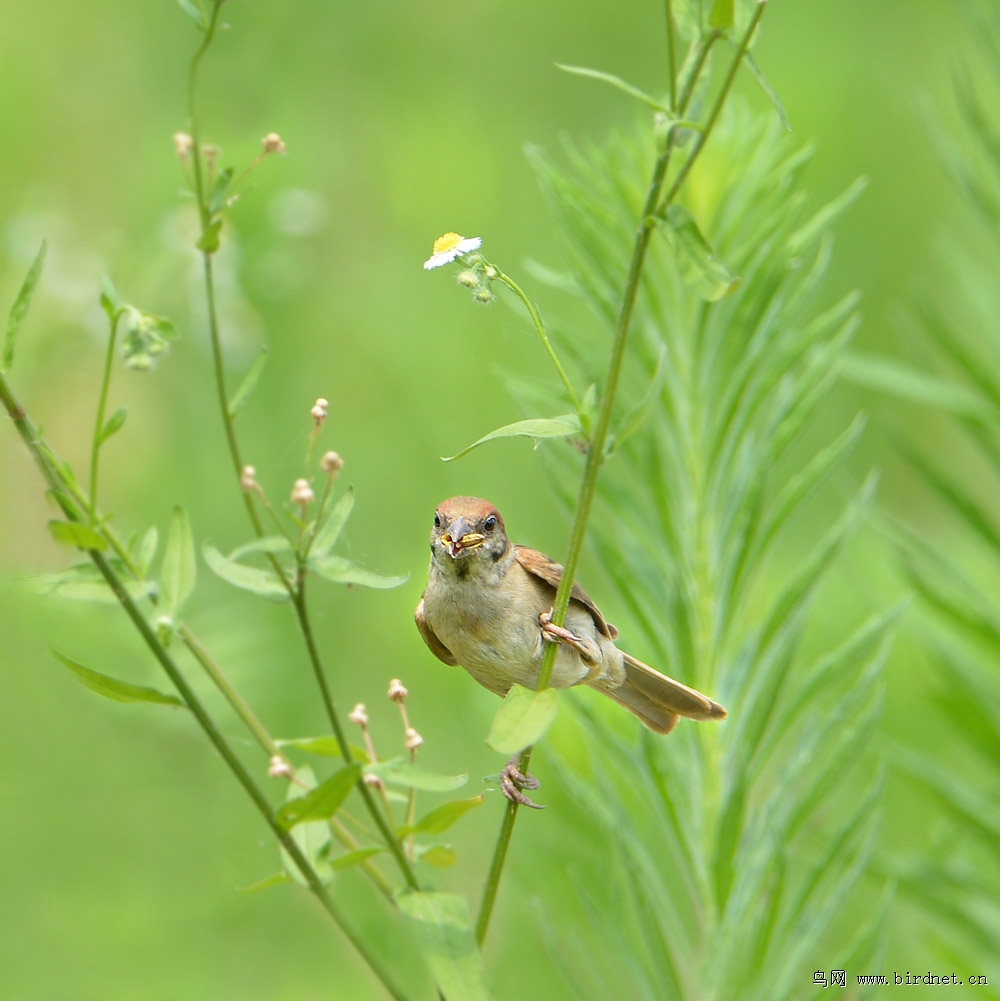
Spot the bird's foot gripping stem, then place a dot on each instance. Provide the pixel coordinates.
(513, 783)
(587, 648)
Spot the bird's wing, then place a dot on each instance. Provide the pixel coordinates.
(551, 572)
(430, 637)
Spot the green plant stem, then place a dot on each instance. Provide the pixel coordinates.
(102, 402)
(540, 327)
(55, 481)
(595, 453)
(301, 611)
(671, 54)
(344, 836)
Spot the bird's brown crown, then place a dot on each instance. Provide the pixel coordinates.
(473, 509)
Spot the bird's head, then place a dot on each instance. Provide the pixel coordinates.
(468, 532)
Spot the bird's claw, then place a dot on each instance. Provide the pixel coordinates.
(513, 782)
(552, 633)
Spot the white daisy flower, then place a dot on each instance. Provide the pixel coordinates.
(450, 246)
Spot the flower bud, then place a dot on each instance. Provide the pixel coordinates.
(397, 691)
(272, 143)
(210, 153)
(302, 493)
(319, 409)
(183, 144)
(468, 278)
(483, 296)
(248, 479)
(359, 715)
(373, 781)
(331, 463)
(412, 739)
(279, 768)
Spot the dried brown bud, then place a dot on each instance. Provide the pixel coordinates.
(397, 690)
(272, 143)
(359, 715)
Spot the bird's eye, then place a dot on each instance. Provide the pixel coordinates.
(490, 523)
(437, 521)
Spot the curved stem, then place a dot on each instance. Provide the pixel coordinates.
(540, 327)
(95, 447)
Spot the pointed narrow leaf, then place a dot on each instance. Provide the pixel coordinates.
(328, 533)
(523, 718)
(356, 857)
(73, 533)
(20, 308)
(723, 15)
(193, 12)
(565, 426)
(269, 544)
(179, 569)
(313, 837)
(217, 198)
(83, 583)
(700, 268)
(322, 802)
(249, 383)
(262, 582)
(147, 549)
(768, 89)
(618, 83)
(341, 571)
(440, 922)
(405, 773)
(110, 300)
(326, 747)
(277, 879)
(112, 688)
(115, 422)
(824, 218)
(636, 417)
(439, 820)
(439, 856)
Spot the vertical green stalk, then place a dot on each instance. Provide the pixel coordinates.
(102, 402)
(671, 54)
(595, 453)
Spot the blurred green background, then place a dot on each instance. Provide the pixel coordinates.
(122, 838)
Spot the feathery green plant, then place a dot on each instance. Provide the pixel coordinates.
(958, 890)
(730, 853)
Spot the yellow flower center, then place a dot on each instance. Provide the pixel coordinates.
(447, 242)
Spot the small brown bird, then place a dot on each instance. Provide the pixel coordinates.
(487, 606)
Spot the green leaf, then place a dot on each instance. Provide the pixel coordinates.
(441, 925)
(618, 83)
(115, 422)
(262, 582)
(269, 544)
(313, 837)
(341, 571)
(824, 218)
(248, 384)
(523, 718)
(768, 89)
(147, 549)
(326, 747)
(439, 820)
(356, 857)
(405, 773)
(565, 426)
(636, 417)
(73, 533)
(194, 12)
(112, 688)
(179, 569)
(217, 197)
(276, 879)
(111, 301)
(20, 309)
(700, 268)
(908, 383)
(439, 856)
(83, 582)
(322, 802)
(208, 242)
(723, 15)
(328, 533)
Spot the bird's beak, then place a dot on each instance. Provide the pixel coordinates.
(458, 537)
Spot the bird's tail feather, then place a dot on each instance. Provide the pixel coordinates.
(658, 700)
